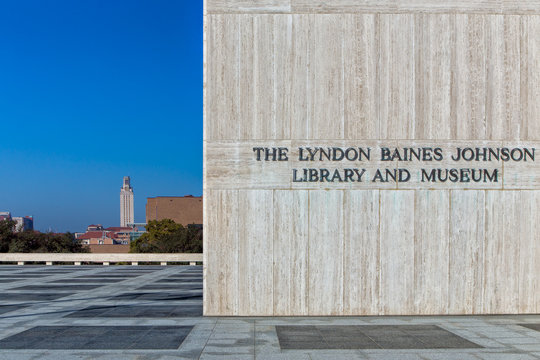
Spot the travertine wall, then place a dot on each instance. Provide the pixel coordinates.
(346, 73)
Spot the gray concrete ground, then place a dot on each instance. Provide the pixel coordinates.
(126, 312)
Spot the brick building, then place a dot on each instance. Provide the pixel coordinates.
(22, 223)
(98, 235)
(185, 210)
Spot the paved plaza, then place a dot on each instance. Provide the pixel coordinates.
(155, 312)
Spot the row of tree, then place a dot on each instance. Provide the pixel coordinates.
(34, 241)
(164, 236)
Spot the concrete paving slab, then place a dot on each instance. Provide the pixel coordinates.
(127, 298)
(402, 356)
(507, 356)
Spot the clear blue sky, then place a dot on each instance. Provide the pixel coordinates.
(91, 91)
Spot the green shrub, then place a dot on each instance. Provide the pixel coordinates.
(166, 236)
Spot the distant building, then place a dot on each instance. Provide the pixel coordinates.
(121, 235)
(5, 215)
(109, 249)
(126, 203)
(97, 227)
(98, 235)
(95, 238)
(23, 223)
(185, 210)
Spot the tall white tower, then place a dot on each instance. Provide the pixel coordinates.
(126, 203)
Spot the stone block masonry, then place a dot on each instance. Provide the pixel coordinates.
(371, 157)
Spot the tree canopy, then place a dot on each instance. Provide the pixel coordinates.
(6, 234)
(34, 241)
(166, 236)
